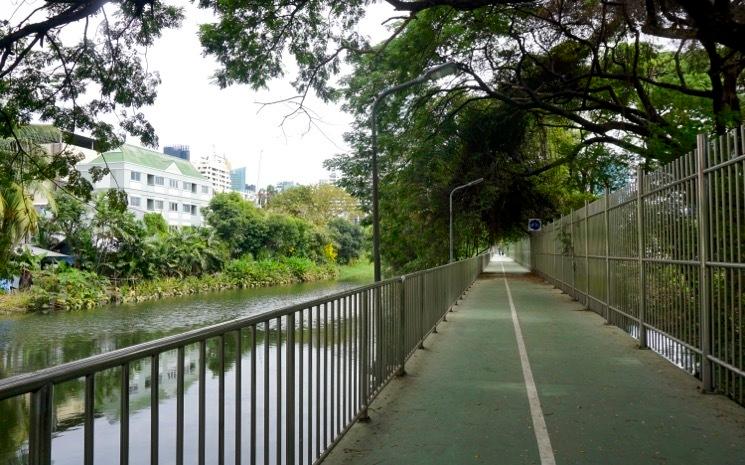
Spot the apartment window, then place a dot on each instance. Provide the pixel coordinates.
(186, 208)
(150, 204)
(193, 188)
(134, 176)
(205, 190)
(187, 186)
(193, 209)
(134, 201)
(173, 183)
(150, 180)
(159, 205)
(173, 206)
(159, 181)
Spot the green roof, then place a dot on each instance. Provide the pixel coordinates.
(145, 157)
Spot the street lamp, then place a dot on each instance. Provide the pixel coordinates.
(433, 73)
(472, 183)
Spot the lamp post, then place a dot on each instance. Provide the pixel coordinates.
(433, 73)
(472, 183)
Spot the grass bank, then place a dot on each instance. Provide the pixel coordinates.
(71, 289)
(361, 271)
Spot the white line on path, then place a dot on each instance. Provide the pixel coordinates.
(539, 422)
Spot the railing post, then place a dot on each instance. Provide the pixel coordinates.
(445, 285)
(423, 280)
(573, 258)
(40, 431)
(640, 241)
(402, 329)
(703, 252)
(365, 357)
(607, 255)
(587, 256)
(290, 390)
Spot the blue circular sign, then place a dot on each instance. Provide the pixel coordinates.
(534, 224)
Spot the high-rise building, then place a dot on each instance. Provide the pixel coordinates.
(238, 179)
(216, 169)
(179, 151)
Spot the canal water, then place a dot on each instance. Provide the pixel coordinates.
(36, 341)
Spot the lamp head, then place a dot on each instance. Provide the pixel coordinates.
(440, 71)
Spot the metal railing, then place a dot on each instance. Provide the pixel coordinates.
(663, 258)
(300, 376)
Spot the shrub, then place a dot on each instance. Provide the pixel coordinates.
(67, 289)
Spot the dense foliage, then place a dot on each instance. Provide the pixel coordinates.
(120, 258)
(577, 90)
(551, 103)
(261, 233)
(316, 204)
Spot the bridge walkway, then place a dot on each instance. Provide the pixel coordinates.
(468, 396)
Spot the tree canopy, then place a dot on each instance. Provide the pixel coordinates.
(317, 204)
(548, 93)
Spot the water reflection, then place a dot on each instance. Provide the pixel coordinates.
(38, 341)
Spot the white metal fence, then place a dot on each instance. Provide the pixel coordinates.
(640, 258)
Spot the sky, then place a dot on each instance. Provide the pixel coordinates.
(192, 110)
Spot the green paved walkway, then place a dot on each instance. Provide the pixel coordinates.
(603, 400)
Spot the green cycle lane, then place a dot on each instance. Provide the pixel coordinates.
(604, 401)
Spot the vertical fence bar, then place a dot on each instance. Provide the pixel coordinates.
(180, 406)
(221, 401)
(202, 395)
(640, 244)
(573, 258)
(265, 403)
(364, 378)
(154, 387)
(90, 391)
(703, 247)
(310, 386)
(318, 380)
(124, 414)
(40, 431)
(402, 329)
(422, 297)
(290, 392)
(252, 419)
(238, 389)
(278, 395)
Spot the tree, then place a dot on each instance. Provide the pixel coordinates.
(583, 65)
(236, 222)
(487, 140)
(155, 224)
(348, 240)
(317, 204)
(24, 165)
(44, 76)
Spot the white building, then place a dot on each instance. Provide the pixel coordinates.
(154, 183)
(216, 169)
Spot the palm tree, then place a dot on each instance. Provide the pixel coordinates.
(21, 158)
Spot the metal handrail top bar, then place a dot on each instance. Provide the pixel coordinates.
(24, 383)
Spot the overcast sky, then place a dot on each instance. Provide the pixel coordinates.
(190, 110)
